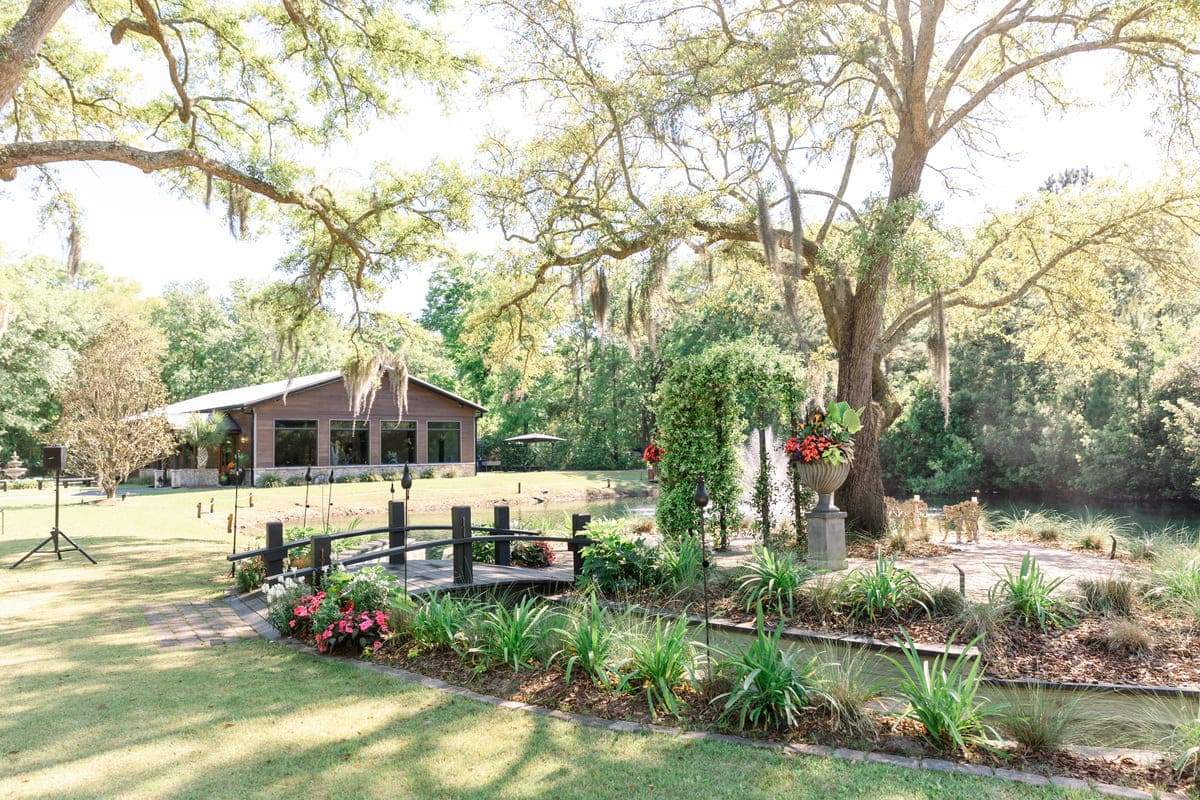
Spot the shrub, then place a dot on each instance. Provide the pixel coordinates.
(515, 637)
(844, 690)
(1125, 636)
(772, 579)
(1095, 531)
(1048, 534)
(270, 480)
(282, 598)
(324, 613)
(439, 622)
(616, 564)
(589, 642)
(886, 589)
(250, 574)
(368, 589)
(1111, 595)
(1091, 541)
(426, 473)
(1029, 596)
(946, 601)
(483, 552)
(660, 661)
(770, 686)
(435, 553)
(533, 554)
(450, 473)
(295, 480)
(943, 695)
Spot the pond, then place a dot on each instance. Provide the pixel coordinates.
(1143, 519)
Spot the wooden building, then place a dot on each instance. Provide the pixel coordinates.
(287, 427)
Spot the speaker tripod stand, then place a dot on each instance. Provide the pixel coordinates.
(55, 535)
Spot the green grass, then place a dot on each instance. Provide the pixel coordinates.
(94, 708)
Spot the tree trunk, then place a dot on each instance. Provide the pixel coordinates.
(861, 497)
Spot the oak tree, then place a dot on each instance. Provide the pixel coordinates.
(670, 125)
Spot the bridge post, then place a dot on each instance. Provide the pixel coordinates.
(579, 523)
(500, 523)
(274, 560)
(397, 530)
(460, 531)
(321, 551)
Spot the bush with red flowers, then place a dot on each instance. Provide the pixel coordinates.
(358, 631)
(653, 453)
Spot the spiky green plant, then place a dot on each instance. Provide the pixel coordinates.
(772, 579)
(515, 636)
(1028, 596)
(943, 695)
(589, 641)
(661, 658)
(681, 560)
(885, 590)
(440, 621)
(982, 623)
(1176, 582)
(770, 684)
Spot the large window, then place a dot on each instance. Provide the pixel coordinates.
(443, 442)
(295, 442)
(348, 442)
(398, 442)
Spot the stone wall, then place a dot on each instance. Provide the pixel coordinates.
(463, 469)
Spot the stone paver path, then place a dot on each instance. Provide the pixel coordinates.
(196, 624)
(984, 564)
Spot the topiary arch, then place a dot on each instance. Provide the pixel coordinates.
(704, 406)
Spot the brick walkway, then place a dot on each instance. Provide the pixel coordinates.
(196, 624)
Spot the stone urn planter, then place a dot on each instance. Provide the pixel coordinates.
(823, 478)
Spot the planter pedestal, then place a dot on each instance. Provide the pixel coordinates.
(826, 539)
(826, 524)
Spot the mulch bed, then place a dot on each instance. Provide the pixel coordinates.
(913, 548)
(1076, 655)
(548, 688)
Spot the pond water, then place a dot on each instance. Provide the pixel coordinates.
(1142, 518)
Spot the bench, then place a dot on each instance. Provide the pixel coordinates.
(68, 481)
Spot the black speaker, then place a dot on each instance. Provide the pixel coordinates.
(54, 456)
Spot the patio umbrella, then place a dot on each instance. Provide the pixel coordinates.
(534, 438)
(531, 438)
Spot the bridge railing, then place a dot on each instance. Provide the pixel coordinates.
(462, 535)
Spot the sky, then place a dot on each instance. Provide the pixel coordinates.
(136, 229)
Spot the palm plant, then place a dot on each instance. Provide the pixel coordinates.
(203, 432)
(772, 579)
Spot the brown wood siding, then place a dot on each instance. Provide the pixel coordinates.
(328, 403)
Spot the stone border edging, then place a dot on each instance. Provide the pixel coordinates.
(625, 726)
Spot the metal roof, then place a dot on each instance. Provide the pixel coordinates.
(247, 396)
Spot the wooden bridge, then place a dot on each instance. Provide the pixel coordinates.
(421, 575)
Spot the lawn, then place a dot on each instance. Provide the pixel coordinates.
(95, 708)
